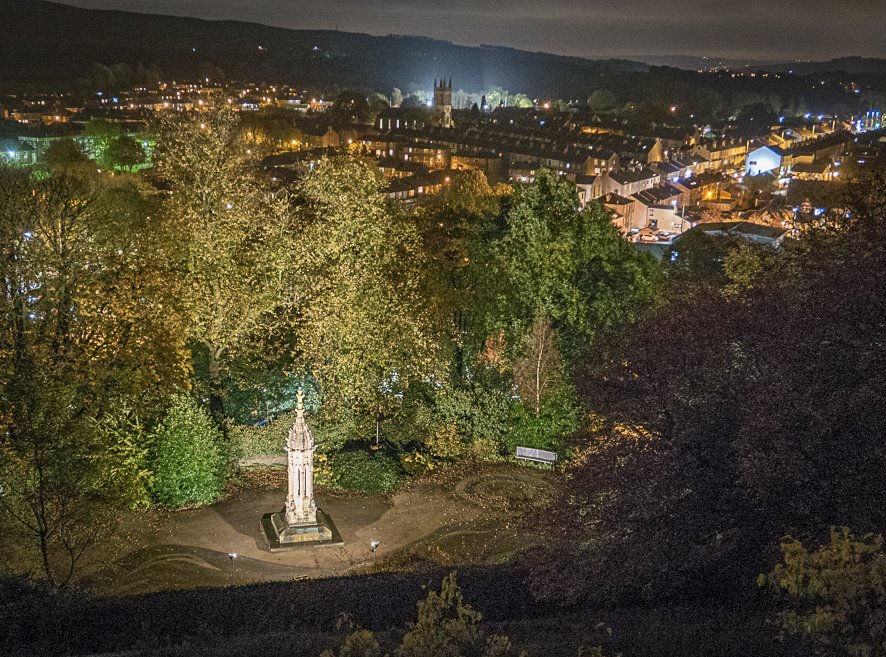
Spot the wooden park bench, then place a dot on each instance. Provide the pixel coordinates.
(537, 455)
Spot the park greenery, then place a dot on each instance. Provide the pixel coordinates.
(188, 459)
(154, 334)
(154, 331)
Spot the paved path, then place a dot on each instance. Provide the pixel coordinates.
(468, 519)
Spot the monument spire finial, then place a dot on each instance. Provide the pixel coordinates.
(299, 400)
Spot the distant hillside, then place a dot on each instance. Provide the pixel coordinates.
(695, 63)
(851, 65)
(47, 43)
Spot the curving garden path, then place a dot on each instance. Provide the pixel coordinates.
(473, 518)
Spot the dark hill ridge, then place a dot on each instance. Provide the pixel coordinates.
(46, 43)
(851, 65)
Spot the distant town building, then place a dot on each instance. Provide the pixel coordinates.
(765, 159)
(13, 151)
(872, 120)
(443, 103)
(723, 153)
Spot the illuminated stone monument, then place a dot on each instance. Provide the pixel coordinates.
(300, 522)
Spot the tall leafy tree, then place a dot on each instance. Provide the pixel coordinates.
(365, 329)
(232, 238)
(834, 594)
(570, 267)
(602, 100)
(65, 153)
(125, 153)
(456, 228)
(350, 107)
(84, 337)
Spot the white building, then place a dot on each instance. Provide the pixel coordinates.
(765, 159)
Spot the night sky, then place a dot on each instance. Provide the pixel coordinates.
(749, 29)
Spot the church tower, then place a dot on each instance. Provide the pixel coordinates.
(443, 103)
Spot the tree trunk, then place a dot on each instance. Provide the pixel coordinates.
(540, 355)
(44, 556)
(40, 515)
(216, 389)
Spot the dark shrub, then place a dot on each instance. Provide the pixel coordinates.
(365, 471)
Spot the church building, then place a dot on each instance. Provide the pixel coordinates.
(443, 103)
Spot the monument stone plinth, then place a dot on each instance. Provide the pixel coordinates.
(300, 522)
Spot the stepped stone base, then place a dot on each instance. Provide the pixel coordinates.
(282, 536)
